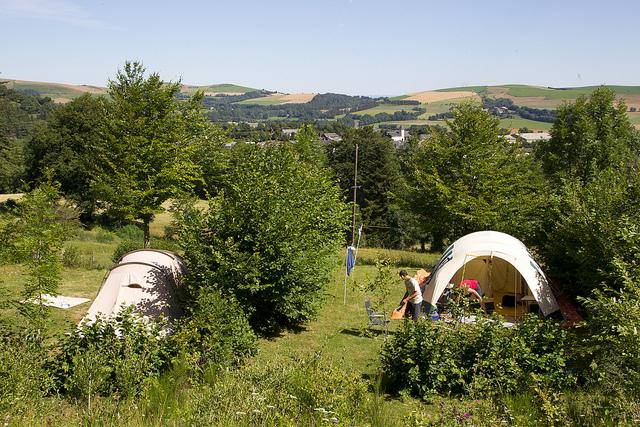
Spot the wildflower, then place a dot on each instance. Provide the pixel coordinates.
(321, 410)
(325, 419)
(335, 420)
(241, 413)
(271, 407)
(466, 415)
(256, 411)
(291, 396)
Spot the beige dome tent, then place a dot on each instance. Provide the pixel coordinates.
(147, 279)
(503, 266)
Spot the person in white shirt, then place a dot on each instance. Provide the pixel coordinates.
(413, 296)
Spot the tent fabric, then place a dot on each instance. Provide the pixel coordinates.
(147, 279)
(502, 265)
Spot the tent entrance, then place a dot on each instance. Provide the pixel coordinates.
(500, 281)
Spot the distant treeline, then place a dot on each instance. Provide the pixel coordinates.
(321, 107)
(402, 102)
(368, 119)
(537, 114)
(20, 111)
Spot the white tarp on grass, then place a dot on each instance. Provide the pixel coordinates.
(60, 301)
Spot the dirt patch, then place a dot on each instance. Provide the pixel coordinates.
(432, 96)
(297, 98)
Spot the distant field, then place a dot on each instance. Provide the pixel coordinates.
(407, 123)
(480, 90)
(433, 96)
(635, 118)
(518, 123)
(221, 89)
(58, 92)
(280, 98)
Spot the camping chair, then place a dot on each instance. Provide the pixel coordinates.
(376, 319)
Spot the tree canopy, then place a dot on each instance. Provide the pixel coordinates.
(468, 178)
(146, 155)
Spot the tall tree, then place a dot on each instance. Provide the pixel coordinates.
(308, 146)
(468, 178)
(378, 179)
(589, 135)
(146, 155)
(35, 238)
(63, 148)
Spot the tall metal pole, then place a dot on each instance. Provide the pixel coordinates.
(353, 221)
(355, 190)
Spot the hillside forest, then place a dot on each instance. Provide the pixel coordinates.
(262, 228)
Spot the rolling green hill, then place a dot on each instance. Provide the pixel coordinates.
(61, 93)
(58, 92)
(224, 88)
(546, 97)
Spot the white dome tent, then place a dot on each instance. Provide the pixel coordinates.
(502, 265)
(147, 279)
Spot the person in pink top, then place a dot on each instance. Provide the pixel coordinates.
(473, 287)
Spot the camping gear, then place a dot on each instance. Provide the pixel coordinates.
(398, 313)
(376, 319)
(147, 279)
(500, 262)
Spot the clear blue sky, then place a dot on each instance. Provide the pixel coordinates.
(347, 46)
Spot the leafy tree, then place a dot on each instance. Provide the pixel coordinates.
(19, 113)
(590, 135)
(468, 178)
(146, 155)
(592, 164)
(591, 229)
(12, 164)
(269, 239)
(36, 237)
(308, 147)
(65, 148)
(379, 180)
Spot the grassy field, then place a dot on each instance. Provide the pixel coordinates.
(407, 123)
(635, 118)
(225, 88)
(279, 98)
(56, 91)
(517, 123)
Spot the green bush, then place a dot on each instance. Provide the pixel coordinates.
(216, 333)
(610, 345)
(130, 232)
(479, 359)
(112, 356)
(71, 257)
(124, 247)
(270, 239)
(592, 226)
(24, 378)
